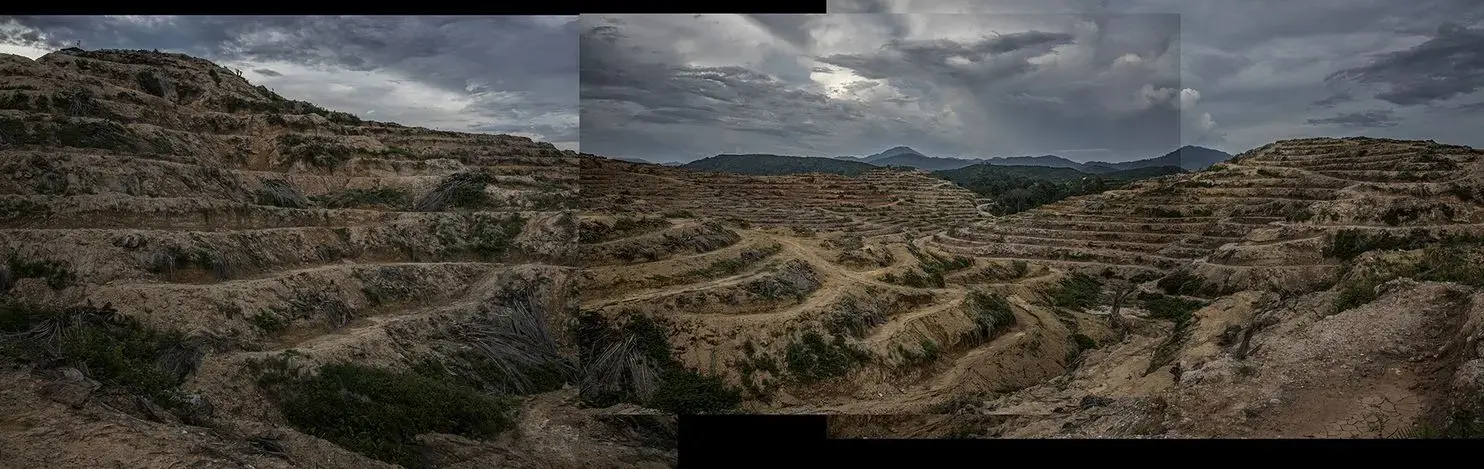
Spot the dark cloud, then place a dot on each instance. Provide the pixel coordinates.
(506, 67)
(855, 84)
(1365, 119)
(1333, 99)
(1448, 65)
(1275, 69)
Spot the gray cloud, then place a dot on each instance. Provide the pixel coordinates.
(1274, 69)
(1365, 119)
(465, 73)
(827, 85)
(1449, 64)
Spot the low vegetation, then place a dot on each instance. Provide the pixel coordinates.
(1181, 311)
(57, 275)
(114, 349)
(992, 315)
(1021, 188)
(1078, 291)
(1348, 244)
(379, 412)
(460, 191)
(634, 363)
(811, 357)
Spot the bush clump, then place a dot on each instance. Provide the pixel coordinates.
(1079, 291)
(111, 348)
(634, 363)
(992, 314)
(379, 412)
(811, 358)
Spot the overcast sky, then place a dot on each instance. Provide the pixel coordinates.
(509, 74)
(1087, 80)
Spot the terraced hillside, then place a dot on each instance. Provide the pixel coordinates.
(197, 267)
(1307, 287)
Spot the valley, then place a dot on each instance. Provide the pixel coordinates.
(1304, 288)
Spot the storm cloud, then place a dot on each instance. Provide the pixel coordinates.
(679, 88)
(1268, 69)
(507, 74)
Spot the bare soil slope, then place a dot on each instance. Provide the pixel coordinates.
(1315, 287)
(257, 234)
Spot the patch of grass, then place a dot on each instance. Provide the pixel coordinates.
(111, 348)
(1164, 212)
(1401, 215)
(490, 239)
(1348, 244)
(379, 412)
(810, 358)
(19, 209)
(1182, 283)
(927, 352)
(398, 151)
(686, 392)
(1452, 263)
(992, 314)
(281, 193)
(1169, 307)
(459, 191)
(853, 318)
(1182, 312)
(1078, 291)
(1084, 342)
(635, 363)
(388, 197)
(104, 135)
(317, 151)
(269, 322)
(1356, 293)
(1301, 214)
(57, 274)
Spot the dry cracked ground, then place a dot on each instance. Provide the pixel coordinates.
(201, 273)
(1307, 288)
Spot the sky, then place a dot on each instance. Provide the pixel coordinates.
(507, 74)
(1087, 80)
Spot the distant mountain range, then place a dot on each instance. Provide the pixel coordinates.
(643, 161)
(766, 165)
(1190, 158)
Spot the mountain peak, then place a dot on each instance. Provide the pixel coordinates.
(893, 151)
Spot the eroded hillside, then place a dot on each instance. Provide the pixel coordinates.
(200, 271)
(1319, 287)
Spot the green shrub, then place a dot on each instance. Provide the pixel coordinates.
(56, 274)
(810, 358)
(1356, 293)
(686, 392)
(379, 412)
(991, 312)
(1078, 291)
(1084, 342)
(490, 240)
(112, 349)
(1169, 307)
(269, 322)
(1182, 283)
